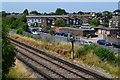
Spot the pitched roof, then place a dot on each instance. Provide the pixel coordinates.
(117, 18)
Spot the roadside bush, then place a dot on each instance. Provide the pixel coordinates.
(104, 54)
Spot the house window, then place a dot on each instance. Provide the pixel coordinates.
(28, 20)
(32, 20)
(114, 22)
(48, 21)
(117, 23)
(39, 20)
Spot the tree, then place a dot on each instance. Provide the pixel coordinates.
(60, 22)
(99, 15)
(118, 11)
(60, 11)
(105, 24)
(8, 53)
(34, 12)
(25, 12)
(52, 13)
(80, 12)
(23, 19)
(95, 22)
(4, 14)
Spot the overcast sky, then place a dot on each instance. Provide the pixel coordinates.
(52, 6)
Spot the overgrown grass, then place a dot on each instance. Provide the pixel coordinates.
(91, 55)
(19, 71)
(56, 47)
(100, 57)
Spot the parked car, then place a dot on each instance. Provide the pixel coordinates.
(116, 44)
(91, 35)
(59, 33)
(104, 42)
(86, 42)
(45, 31)
(66, 34)
(34, 31)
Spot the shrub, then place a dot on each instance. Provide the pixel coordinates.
(47, 27)
(84, 50)
(52, 32)
(19, 30)
(73, 26)
(104, 54)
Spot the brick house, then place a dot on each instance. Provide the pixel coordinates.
(45, 20)
(115, 22)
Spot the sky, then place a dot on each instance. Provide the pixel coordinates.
(48, 7)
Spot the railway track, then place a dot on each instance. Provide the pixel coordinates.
(57, 66)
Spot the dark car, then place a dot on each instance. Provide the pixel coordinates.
(66, 35)
(104, 42)
(45, 31)
(59, 33)
(91, 35)
(116, 44)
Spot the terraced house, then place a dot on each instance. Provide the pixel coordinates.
(115, 22)
(45, 20)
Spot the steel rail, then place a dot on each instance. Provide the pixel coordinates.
(52, 62)
(42, 64)
(35, 69)
(65, 62)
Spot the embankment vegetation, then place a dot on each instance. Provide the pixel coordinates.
(93, 55)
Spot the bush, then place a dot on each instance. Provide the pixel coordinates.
(84, 50)
(52, 32)
(19, 30)
(105, 24)
(104, 54)
(73, 26)
(47, 27)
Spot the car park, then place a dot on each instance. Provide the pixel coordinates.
(104, 42)
(116, 44)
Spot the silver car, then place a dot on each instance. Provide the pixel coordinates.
(86, 42)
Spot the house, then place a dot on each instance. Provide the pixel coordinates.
(45, 20)
(115, 22)
(15, 15)
(70, 19)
